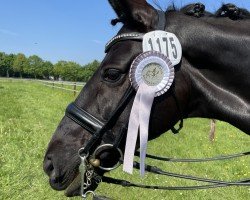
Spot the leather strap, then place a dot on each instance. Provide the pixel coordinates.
(161, 20)
(112, 120)
(123, 37)
(83, 118)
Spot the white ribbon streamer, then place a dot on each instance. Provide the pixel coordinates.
(151, 74)
(139, 119)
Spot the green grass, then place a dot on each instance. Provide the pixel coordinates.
(30, 112)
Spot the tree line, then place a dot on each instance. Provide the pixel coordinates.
(18, 65)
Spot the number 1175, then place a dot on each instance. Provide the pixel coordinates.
(161, 42)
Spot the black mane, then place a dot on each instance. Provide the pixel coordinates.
(226, 10)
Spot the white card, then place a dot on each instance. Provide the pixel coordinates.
(164, 42)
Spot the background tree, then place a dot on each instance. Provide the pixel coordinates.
(71, 71)
(20, 62)
(47, 69)
(88, 70)
(6, 64)
(58, 69)
(68, 71)
(9, 64)
(34, 67)
(2, 63)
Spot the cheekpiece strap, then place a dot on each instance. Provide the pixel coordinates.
(161, 20)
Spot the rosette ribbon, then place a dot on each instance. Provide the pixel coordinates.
(147, 90)
(139, 120)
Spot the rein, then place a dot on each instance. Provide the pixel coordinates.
(155, 170)
(224, 157)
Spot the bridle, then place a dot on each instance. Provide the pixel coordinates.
(99, 129)
(89, 122)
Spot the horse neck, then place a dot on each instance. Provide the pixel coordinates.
(217, 63)
(218, 40)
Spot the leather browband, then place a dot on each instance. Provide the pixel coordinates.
(123, 37)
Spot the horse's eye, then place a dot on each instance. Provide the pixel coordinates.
(112, 75)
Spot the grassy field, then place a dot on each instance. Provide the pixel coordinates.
(30, 112)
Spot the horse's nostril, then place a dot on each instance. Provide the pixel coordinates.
(53, 178)
(56, 181)
(48, 165)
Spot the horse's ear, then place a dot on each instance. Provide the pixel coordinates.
(137, 12)
(117, 7)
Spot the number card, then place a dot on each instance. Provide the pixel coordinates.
(165, 43)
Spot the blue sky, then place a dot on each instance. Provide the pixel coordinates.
(64, 29)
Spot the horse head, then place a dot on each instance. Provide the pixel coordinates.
(101, 96)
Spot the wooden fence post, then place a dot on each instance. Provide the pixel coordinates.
(74, 89)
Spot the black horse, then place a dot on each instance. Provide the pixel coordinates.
(212, 81)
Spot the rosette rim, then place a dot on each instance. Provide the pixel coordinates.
(142, 60)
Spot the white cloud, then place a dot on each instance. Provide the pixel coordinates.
(97, 41)
(8, 32)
